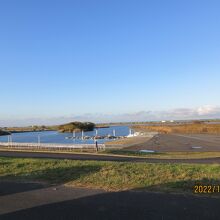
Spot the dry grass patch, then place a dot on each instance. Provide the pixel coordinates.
(182, 129)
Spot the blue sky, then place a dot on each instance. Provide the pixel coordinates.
(108, 57)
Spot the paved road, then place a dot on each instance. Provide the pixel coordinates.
(209, 138)
(179, 142)
(104, 158)
(82, 204)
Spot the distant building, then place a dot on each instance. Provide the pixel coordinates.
(163, 121)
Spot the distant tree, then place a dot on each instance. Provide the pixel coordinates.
(35, 128)
(77, 126)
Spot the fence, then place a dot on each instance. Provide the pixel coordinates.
(50, 146)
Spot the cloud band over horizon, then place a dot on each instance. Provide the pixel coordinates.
(204, 112)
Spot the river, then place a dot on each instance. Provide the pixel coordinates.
(56, 137)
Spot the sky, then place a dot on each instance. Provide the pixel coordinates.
(108, 60)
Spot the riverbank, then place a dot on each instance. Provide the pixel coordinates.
(30, 129)
(2, 133)
(69, 127)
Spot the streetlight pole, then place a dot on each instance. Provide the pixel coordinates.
(38, 140)
(11, 139)
(8, 140)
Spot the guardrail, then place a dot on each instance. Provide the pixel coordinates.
(50, 146)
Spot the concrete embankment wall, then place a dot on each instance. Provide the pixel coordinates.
(131, 141)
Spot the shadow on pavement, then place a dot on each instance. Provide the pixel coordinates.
(125, 205)
(9, 187)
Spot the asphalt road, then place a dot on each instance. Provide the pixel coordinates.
(103, 157)
(85, 204)
(179, 142)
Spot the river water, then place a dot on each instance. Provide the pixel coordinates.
(56, 137)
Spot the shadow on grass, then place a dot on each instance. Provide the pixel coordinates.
(24, 182)
(133, 204)
(187, 186)
(65, 174)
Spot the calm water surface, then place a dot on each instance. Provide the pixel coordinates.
(56, 137)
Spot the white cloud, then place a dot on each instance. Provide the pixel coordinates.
(203, 112)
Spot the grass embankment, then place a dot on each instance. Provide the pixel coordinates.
(113, 176)
(199, 128)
